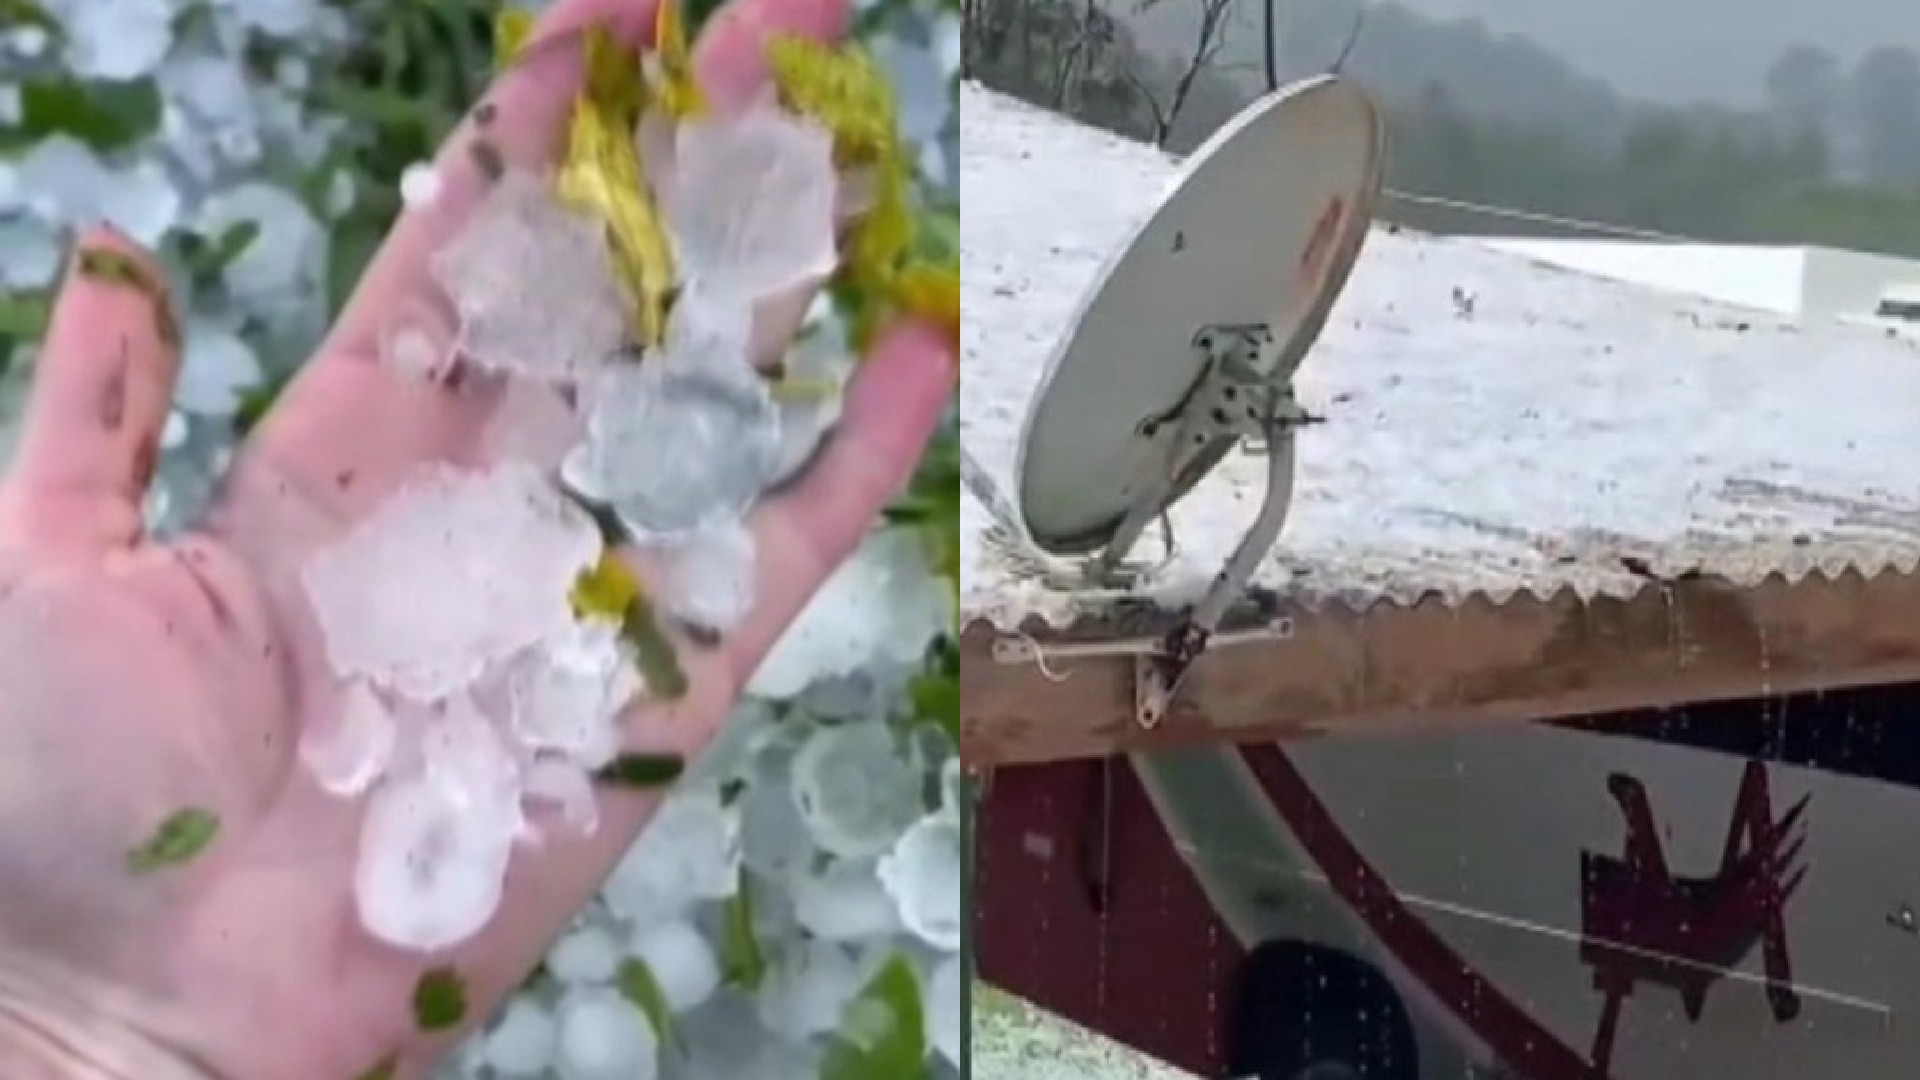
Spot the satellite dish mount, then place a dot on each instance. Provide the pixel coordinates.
(1186, 346)
(1242, 394)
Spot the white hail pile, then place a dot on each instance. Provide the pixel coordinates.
(819, 840)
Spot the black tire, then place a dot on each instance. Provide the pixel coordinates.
(1305, 1012)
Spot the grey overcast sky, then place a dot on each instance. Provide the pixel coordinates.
(1686, 49)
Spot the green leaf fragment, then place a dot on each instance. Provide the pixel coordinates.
(255, 403)
(510, 32)
(19, 14)
(183, 835)
(741, 961)
(642, 770)
(659, 663)
(23, 315)
(936, 698)
(636, 983)
(119, 268)
(882, 1032)
(104, 115)
(439, 999)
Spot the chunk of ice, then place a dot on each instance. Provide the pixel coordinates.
(566, 693)
(749, 203)
(420, 184)
(523, 1040)
(349, 751)
(681, 959)
(217, 369)
(452, 572)
(567, 787)
(533, 282)
(472, 766)
(922, 875)
(709, 576)
(283, 256)
(820, 356)
(533, 424)
(115, 40)
(807, 989)
(853, 790)
(688, 853)
(844, 902)
(943, 1008)
(773, 839)
(586, 954)
(880, 606)
(604, 1037)
(429, 875)
(674, 448)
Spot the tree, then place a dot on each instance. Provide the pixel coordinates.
(1803, 89)
(1885, 99)
(1167, 95)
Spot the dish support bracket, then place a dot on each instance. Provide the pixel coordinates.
(1237, 397)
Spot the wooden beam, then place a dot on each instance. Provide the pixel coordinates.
(1431, 666)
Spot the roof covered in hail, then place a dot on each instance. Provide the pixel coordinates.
(1567, 429)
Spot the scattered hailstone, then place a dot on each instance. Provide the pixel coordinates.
(922, 876)
(585, 954)
(689, 852)
(523, 1040)
(533, 283)
(808, 988)
(681, 960)
(420, 184)
(32, 252)
(883, 606)
(286, 256)
(844, 902)
(452, 572)
(29, 41)
(749, 203)
(943, 1008)
(603, 1037)
(853, 789)
(115, 40)
(216, 370)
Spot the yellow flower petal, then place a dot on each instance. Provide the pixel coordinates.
(614, 81)
(677, 92)
(601, 174)
(930, 292)
(881, 238)
(843, 90)
(605, 591)
(510, 31)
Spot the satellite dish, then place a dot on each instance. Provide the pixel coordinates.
(1188, 341)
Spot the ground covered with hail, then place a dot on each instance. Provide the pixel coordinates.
(794, 909)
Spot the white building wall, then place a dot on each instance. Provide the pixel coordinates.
(1766, 278)
(1851, 282)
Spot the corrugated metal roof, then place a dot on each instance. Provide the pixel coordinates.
(1567, 433)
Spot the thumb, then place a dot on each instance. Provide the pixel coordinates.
(102, 383)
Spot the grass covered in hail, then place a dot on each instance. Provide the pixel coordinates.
(794, 911)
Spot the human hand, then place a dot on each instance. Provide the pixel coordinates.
(137, 679)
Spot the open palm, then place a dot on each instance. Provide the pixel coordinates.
(137, 679)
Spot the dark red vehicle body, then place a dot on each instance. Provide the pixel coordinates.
(1718, 890)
